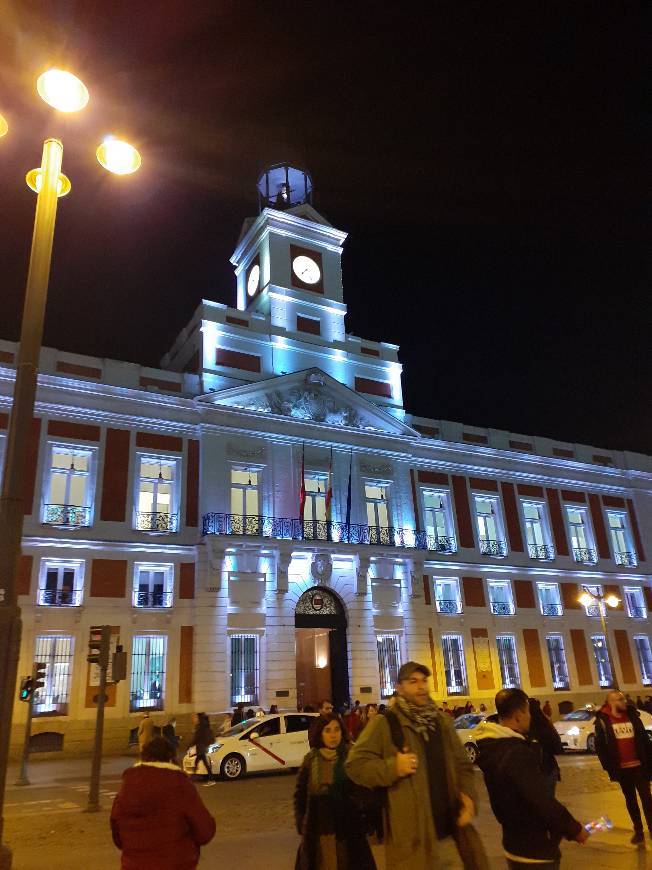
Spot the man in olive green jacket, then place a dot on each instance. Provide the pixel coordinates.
(430, 784)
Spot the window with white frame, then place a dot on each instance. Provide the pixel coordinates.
(60, 582)
(438, 521)
(377, 512)
(558, 663)
(644, 652)
(389, 662)
(602, 660)
(550, 599)
(314, 509)
(593, 608)
(447, 595)
(635, 602)
(581, 536)
(148, 654)
(245, 501)
(245, 669)
(537, 531)
(55, 651)
(68, 485)
(156, 494)
(508, 659)
(621, 539)
(153, 585)
(491, 537)
(501, 601)
(454, 664)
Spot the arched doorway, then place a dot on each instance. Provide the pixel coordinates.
(321, 653)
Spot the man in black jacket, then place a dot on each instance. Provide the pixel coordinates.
(533, 821)
(625, 753)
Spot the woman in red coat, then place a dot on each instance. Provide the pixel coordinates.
(158, 818)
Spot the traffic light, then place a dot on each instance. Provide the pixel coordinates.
(25, 689)
(99, 645)
(119, 664)
(38, 676)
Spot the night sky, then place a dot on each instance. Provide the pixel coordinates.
(487, 159)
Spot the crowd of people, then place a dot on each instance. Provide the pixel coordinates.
(396, 774)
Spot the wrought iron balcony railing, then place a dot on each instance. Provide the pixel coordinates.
(637, 612)
(584, 554)
(152, 599)
(289, 529)
(448, 605)
(442, 543)
(60, 597)
(493, 548)
(502, 608)
(552, 609)
(626, 559)
(543, 552)
(156, 522)
(593, 610)
(66, 515)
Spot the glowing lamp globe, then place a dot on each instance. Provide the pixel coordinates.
(118, 156)
(3, 126)
(585, 599)
(62, 90)
(34, 179)
(612, 600)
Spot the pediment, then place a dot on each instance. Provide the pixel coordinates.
(311, 396)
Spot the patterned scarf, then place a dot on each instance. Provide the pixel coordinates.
(423, 719)
(339, 776)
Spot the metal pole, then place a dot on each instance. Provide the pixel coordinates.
(94, 789)
(18, 439)
(602, 604)
(23, 779)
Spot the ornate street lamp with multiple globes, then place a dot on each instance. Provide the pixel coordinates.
(64, 92)
(602, 602)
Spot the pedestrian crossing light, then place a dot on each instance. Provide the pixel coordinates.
(119, 664)
(99, 645)
(25, 689)
(38, 676)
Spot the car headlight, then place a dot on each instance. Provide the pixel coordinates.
(573, 732)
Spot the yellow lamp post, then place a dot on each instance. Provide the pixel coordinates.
(588, 598)
(66, 93)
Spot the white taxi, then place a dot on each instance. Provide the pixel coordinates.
(273, 742)
(465, 725)
(577, 729)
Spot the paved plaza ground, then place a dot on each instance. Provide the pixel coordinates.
(46, 827)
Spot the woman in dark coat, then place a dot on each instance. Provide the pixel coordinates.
(331, 830)
(543, 732)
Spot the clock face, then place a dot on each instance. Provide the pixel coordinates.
(306, 269)
(253, 279)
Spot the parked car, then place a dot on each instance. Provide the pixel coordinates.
(276, 742)
(577, 729)
(465, 726)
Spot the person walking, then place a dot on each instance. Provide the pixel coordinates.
(158, 820)
(547, 710)
(325, 707)
(533, 821)
(168, 732)
(326, 815)
(202, 738)
(625, 753)
(145, 731)
(429, 781)
(544, 734)
(368, 714)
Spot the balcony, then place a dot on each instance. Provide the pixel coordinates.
(502, 608)
(290, 529)
(626, 559)
(552, 609)
(584, 554)
(152, 599)
(493, 548)
(593, 610)
(66, 515)
(636, 612)
(449, 605)
(442, 543)
(157, 522)
(59, 597)
(541, 552)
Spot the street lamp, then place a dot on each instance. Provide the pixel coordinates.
(589, 597)
(66, 93)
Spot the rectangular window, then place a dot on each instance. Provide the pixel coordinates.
(454, 664)
(438, 522)
(447, 595)
(310, 325)
(156, 494)
(153, 585)
(61, 583)
(550, 599)
(491, 537)
(377, 513)
(592, 609)
(603, 664)
(389, 662)
(621, 540)
(558, 663)
(642, 643)
(56, 653)
(244, 669)
(537, 531)
(635, 602)
(314, 510)
(67, 493)
(580, 535)
(501, 601)
(147, 672)
(509, 672)
(245, 502)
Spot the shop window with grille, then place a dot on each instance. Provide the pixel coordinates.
(147, 672)
(644, 653)
(245, 669)
(602, 661)
(507, 657)
(55, 651)
(558, 663)
(454, 664)
(389, 662)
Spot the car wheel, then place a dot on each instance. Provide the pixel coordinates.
(233, 767)
(471, 752)
(590, 743)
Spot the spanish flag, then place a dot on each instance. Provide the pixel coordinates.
(302, 490)
(329, 491)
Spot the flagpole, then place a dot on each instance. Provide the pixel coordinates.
(348, 502)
